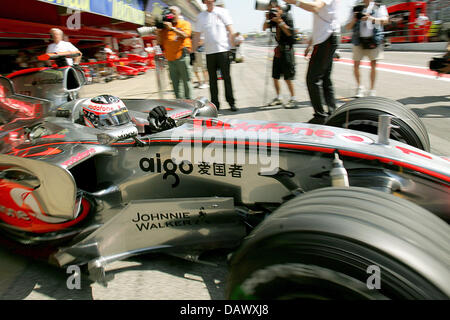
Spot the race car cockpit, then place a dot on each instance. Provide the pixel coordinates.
(110, 114)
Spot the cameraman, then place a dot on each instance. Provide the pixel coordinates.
(284, 58)
(324, 40)
(367, 24)
(176, 42)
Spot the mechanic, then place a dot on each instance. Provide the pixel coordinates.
(367, 40)
(284, 56)
(175, 38)
(324, 40)
(107, 111)
(63, 47)
(217, 26)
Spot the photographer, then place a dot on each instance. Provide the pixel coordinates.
(324, 40)
(367, 24)
(176, 42)
(282, 24)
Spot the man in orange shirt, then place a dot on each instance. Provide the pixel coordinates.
(175, 39)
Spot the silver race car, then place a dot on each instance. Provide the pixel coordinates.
(313, 211)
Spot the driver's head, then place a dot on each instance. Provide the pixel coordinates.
(57, 34)
(105, 111)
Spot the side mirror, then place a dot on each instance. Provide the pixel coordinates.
(203, 107)
(80, 74)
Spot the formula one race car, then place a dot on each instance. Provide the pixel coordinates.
(356, 209)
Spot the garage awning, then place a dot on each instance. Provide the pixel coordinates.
(124, 10)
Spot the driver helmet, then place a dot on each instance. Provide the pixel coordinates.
(105, 111)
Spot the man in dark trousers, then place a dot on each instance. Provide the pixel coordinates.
(217, 26)
(324, 43)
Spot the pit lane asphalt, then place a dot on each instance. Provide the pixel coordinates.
(163, 277)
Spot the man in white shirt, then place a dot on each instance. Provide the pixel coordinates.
(63, 47)
(217, 27)
(324, 43)
(367, 39)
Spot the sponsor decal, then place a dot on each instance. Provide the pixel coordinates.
(78, 157)
(169, 167)
(185, 167)
(101, 108)
(150, 221)
(413, 152)
(220, 169)
(355, 138)
(213, 124)
(180, 114)
(25, 206)
(40, 152)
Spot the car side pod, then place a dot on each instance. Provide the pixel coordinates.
(165, 225)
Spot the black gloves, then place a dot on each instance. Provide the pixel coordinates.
(159, 120)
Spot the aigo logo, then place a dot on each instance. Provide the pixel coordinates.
(169, 167)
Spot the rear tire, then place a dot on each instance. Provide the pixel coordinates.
(318, 249)
(362, 115)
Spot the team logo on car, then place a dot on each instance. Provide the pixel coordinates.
(355, 138)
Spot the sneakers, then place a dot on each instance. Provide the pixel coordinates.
(360, 92)
(291, 104)
(372, 93)
(275, 102)
(203, 86)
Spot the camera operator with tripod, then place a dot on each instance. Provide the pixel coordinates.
(367, 24)
(282, 26)
(174, 36)
(324, 43)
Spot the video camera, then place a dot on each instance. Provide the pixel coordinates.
(264, 5)
(358, 9)
(156, 23)
(166, 16)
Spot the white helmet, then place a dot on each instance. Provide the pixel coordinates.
(105, 111)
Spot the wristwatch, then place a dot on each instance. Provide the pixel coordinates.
(281, 23)
(297, 3)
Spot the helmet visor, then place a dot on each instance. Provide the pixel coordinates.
(115, 118)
